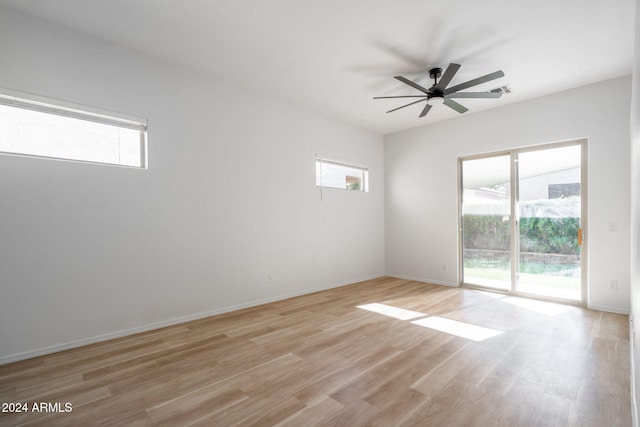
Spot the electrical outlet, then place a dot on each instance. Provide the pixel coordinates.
(613, 285)
(269, 279)
(445, 267)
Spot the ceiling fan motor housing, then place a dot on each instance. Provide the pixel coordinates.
(435, 95)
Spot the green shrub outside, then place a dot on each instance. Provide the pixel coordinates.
(541, 235)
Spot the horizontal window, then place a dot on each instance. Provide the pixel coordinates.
(45, 129)
(338, 174)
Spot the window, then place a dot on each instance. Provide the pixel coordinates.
(338, 174)
(41, 128)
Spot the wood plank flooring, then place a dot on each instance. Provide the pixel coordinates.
(320, 360)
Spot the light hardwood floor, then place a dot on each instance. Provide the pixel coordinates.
(320, 360)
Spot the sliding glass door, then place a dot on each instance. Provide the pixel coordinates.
(549, 211)
(522, 219)
(486, 221)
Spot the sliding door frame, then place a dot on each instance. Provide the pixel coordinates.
(515, 220)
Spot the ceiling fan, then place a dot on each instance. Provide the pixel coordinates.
(440, 94)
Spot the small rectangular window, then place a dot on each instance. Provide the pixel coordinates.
(338, 174)
(47, 129)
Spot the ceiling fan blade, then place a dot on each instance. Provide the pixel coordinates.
(412, 84)
(453, 104)
(451, 71)
(411, 103)
(399, 96)
(425, 111)
(474, 82)
(474, 95)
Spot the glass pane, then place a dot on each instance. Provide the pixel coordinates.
(336, 175)
(486, 222)
(41, 134)
(549, 210)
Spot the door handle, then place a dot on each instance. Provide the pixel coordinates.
(579, 236)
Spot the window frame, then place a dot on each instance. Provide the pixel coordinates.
(320, 160)
(24, 101)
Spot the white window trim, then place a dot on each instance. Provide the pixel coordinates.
(354, 165)
(41, 104)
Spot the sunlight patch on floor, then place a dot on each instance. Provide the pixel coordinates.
(391, 311)
(451, 327)
(541, 307)
(460, 329)
(489, 294)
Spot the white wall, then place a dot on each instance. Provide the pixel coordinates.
(635, 218)
(89, 252)
(421, 182)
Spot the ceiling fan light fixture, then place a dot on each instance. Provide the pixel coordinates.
(435, 100)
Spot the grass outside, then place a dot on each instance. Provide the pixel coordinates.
(559, 280)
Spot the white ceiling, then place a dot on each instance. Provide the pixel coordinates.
(333, 56)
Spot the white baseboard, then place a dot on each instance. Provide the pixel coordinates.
(174, 321)
(608, 309)
(169, 322)
(422, 279)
